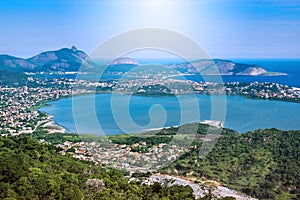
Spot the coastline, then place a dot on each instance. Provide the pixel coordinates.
(214, 123)
(54, 127)
(52, 122)
(263, 74)
(158, 129)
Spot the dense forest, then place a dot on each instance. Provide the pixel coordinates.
(263, 163)
(29, 170)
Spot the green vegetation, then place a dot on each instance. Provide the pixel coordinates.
(150, 140)
(29, 170)
(55, 138)
(263, 164)
(154, 90)
(166, 135)
(13, 78)
(58, 138)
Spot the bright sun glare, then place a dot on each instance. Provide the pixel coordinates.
(158, 3)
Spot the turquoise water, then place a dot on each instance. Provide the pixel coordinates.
(110, 116)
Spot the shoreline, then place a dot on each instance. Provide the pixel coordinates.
(63, 129)
(157, 129)
(210, 122)
(53, 127)
(160, 128)
(264, 74)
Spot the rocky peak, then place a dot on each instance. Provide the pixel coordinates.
(73, 48)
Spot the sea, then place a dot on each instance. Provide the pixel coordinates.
(291, 67)
(109, 114)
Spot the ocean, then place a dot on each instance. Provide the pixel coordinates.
(291, 67)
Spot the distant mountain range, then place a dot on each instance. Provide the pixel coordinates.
(65, 60)
(218, 66)
(60, 60)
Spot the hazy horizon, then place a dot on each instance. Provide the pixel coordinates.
(161, 57)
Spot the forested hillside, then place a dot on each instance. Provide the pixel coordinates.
(32, 171)
(263, 163)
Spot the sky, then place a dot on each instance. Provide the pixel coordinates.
(225, 29)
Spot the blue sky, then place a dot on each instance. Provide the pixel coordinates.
(226, 29)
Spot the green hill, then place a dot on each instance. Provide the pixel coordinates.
(13, 78)
(263, 163)
(33, 171)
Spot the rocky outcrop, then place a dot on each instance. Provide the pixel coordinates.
(253, 71)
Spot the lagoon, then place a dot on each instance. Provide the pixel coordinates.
(116, 113)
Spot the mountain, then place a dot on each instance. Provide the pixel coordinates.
(125, 61)
(60, 60)
(205, 67)
(13, 79)
(218, 66)
(72, 59)
(122, 65)
(12, 63)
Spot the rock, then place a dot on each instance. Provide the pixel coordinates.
(95, 185)
(73, 48)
